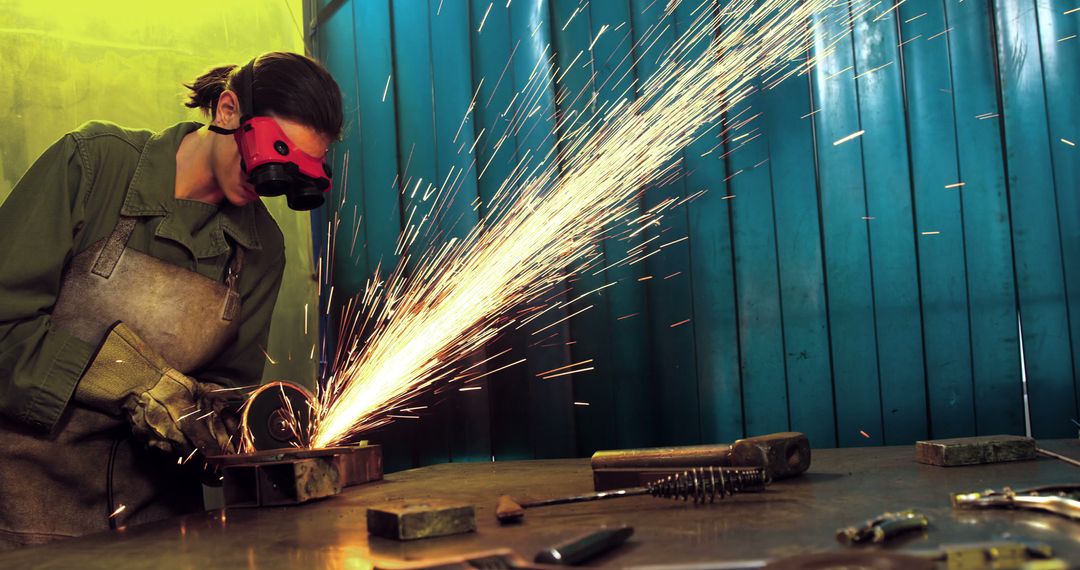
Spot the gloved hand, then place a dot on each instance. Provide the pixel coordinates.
(166, 409)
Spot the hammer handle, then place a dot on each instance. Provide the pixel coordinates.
(674, 457)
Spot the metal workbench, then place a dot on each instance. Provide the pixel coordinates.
(843, 487)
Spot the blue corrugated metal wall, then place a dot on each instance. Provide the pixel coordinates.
(864, 293)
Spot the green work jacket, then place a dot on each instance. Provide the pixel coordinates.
(73, 196)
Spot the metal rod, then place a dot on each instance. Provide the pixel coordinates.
(1068, 460)
(633, 491)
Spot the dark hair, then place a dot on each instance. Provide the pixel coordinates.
(287, 85)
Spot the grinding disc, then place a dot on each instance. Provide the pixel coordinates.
(277, 416)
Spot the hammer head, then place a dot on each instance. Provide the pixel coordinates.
(783, 455)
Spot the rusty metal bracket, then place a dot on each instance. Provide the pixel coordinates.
(293, 476)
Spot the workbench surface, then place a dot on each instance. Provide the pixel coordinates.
(843, 487)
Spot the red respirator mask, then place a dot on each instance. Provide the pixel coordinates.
(271, 162)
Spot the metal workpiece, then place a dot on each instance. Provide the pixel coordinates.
(883, 527)
(292, 476)
(411, 520)
(975, 450)
(1061, 500)
(795, 518)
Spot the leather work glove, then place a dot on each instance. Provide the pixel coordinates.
(165, 408)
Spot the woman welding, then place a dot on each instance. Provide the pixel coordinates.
(138, 273)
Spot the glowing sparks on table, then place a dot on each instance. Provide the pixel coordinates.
(405, 336)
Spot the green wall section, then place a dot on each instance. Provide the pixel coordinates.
(865, 293)
(63, 63)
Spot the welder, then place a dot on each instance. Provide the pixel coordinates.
(138, 273)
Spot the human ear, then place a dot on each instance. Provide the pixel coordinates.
(227, 115)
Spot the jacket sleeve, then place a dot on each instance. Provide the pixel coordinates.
(40, 365)
(242, 362)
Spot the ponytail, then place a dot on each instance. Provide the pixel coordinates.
(206, 89)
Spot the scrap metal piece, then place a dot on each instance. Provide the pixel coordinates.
(975, 450)
(420, 519)
(999, 555)
(1061, 500)
(853, 559)
(783, 455)
(883, 527)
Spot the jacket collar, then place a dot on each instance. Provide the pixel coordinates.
(151, 193)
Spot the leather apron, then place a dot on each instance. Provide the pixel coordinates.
(63, 484)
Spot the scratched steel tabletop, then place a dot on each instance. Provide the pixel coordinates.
(843, 487)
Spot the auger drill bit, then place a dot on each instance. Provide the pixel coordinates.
(700, 484)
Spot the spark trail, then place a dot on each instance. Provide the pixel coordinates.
(406, 336)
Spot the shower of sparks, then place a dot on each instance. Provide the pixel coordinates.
(402, 337)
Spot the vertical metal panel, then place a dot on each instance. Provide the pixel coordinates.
(627, 318)
(551, 401)
(1036, 233)
(890, 224)
(374, 166)
(988, 244)
(1058, 37)
(494, 50)
(416, 145)
(452, 89)
(847, 251)
(668, 287)
(595, 416)
(939, 220)
(710, 409)
(761, 319)
(789, 127)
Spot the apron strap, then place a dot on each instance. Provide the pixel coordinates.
(232, 277)
(114, 247)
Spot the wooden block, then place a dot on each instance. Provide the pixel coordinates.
(411, 520)
(975, 450)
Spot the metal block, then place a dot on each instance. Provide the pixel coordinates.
(360, 464)
(420, 519)
(975, 450)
